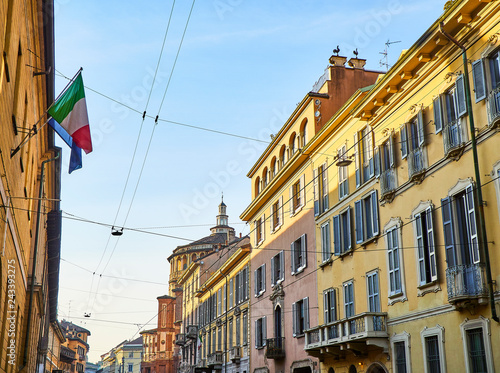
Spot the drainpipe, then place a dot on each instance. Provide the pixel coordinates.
(483, 236)
(33, 270)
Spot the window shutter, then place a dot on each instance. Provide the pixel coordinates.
(404, 141)
(293, 257)
(316, 192)
(430, 242)
(280, 211)
(302, 185)
(256, 231)
(257, 333)
(374, 198)
(264, 277)
(336, 235)
(305, 303)
(370, 152)
(420, 249)
(358, 217)
(271, 218)
(303, 246)
(264, 330)
(479, 80)
(263, 226)
(325, 187)
(282, 265)
(377, 156)
(294, 318)
(255, 282)
(471, 220)
(449, 235)
(291, 202)
(392, 155)
(333, 304)
(438, 114)
(357, 162)
(230, 292)
(421, 129)
(326, 307)
(273, 272)
(461, 105)
(224, 296)
(348, 239)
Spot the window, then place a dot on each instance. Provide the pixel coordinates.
(424, 236)
(400, 344)
(366, 212)
(131, 355)
(329, 305)
(373, 292)
(320, 189)
(477, 345)
(486, 77)
(238, 331)
(342, 232)
(300, 311)
(386, 166)
(224, 298)
(276, 214)
(297, 196)
(219, 339)
(326, 252)
(393, 254)
(348, 299)
(412, 145)
(245, 328)
(130, 367)
(241, 286)
(219, 302)
(259, 230)
(260, 280)
(363, 155)
(230, 333)
(277, 268)
(343, 173)
(433, 349)
(299, 254)
(260, 332)
(231, 293)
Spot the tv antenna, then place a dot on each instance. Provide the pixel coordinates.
(384, 61)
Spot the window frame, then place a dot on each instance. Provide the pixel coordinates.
(326, 245)
(372, 278)
(298, 267)
(425, 236)
(438, 331)
(260, 332)
(406, 339)
(394, 225)
(259, 227)
(260, 280)
(349, 298)
(342, 233)
(330, 306)
(297, 195)
(300, 317)
(360, 226)
(276, 215)
(484, 324)
(320, 189)
(343, 173)
(278, 261)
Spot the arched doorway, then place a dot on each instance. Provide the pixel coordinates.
(277, 324)
(377, 368)
(352, 369)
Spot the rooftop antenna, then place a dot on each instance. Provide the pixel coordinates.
(384, 61)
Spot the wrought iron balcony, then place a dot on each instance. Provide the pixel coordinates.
(388, 183)
(453, 139)
(356, 334)
(192, 331)
(235, 354)
(215, 359)
(180, 339)
(465, 282)
(416, 164)
(275, 348)
(494, 107)
(201, 363)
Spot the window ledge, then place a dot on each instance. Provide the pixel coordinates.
(260, 293)
(297, 210)
(299, 335)
(367, 241)
(326, 262)
(431, 287)
(395, 298)
(276, 229)
(299, 270)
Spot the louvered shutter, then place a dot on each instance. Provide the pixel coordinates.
(294, 257)
(461, 104)
(325, 187)
(370, 151)
(264, 277)
(392, 153)
(347, 229)
(479, 80)
(282, 265)
(421, 129)
(303, 246)
(291, 201)
(404, 141)
(357, 161)
(280, 211)
(358, 224)
(257, 333)
(471, 220)
(336, 235)
(326, 307)
(264, 331)
(302, 185)
(271, 218)
(449, 234)
(316, 192)
(294, 318)
(333, 304)
(305, 304)
(256, 231)
(230, 292)
(420, 249)
(375, 225)
(263, 227)
(273, 272)
(430, 243)
(438, 114)
(377, 156)
(255, 282)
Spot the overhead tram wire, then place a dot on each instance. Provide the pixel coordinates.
(154, 128)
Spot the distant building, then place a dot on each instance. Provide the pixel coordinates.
(77, 342)
(91, 367)
(126, 357)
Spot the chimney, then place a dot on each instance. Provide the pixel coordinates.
(338, 60)
(357, 63)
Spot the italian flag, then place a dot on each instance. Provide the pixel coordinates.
(70, 111)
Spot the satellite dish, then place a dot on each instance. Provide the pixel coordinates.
(317, 102)
(317, 113)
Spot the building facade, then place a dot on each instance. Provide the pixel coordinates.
(286, 190)
(126, 357)
(29, 186)
(76, 341)
(406, 249)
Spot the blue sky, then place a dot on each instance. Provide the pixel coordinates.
(242, 68)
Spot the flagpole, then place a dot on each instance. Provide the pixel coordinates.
(34, 130)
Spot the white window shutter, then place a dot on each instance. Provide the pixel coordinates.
(325, 187)
(302, 185)
(305, 303)
(326, 307)
(358, 217)
(404, 141)
(375, 225)
(257, 334)
(264, 277)
(282, 265)
(392, 153)
(271, 218)
(479, 80)
(420, 249)
(461, 103)
(263, 227)
(303, 246)
(430, 242)
(357, 160)
(255, 282)
(348, 239)
(293, 256)
(333, 305)
(294, 318)
(255, 231)
(471, 220)
(280, 211)
(273, 272)
(438, 114)
(291, 202)
(264, 330)
(421, 128)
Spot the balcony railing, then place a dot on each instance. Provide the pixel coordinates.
(235, 354)
(275, 348)
(180, 339)
(416, 163)
(192, 331)
(388, 182)
(201, 363)
(452, 138)
(494, 107)
(368, 327)
(465, 282)
(214, 359)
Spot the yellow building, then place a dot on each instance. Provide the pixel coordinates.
(405, 263)
(124, 358)
(30, 219)
(76, 341)
(223, 340)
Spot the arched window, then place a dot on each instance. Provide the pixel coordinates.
(291, 144)
(264, 178)
(274, 167)
(303, 133)
(282, 156)
(193, 258)
(257, 186)
(179, 264)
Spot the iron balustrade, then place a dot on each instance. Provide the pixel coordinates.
(275, 348)
(452, 136)
(215, 359)
(466, 281)
(416, 164)
(388, 181)
(494, 105)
